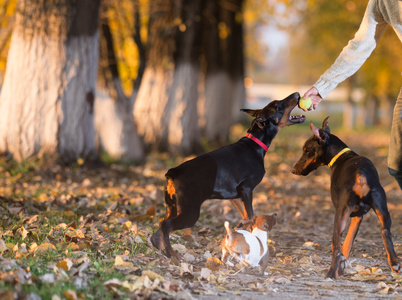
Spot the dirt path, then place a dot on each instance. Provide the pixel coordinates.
(83, 231)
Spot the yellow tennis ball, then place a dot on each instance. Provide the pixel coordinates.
(305, 103)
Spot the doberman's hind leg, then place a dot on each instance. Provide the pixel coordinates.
(350, 238)
(381, 210)
(186, 219)
(171, 212)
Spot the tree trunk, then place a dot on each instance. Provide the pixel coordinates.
(348, 110)
(49, 89)
(165, 109)
(114, 123)
(224, 88)
(385, 111)
(182, 112)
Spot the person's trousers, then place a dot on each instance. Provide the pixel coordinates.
(395, 143)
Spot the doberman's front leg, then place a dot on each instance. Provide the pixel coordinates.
(246, 223)
(381, 210)
(246, 195)
(240, 207)
(341, 217)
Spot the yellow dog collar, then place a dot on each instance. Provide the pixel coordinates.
(333, 160)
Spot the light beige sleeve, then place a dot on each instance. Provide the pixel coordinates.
(355, 52)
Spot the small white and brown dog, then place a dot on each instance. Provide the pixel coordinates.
(250, 248)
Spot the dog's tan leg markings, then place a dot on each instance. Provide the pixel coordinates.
(170, 188)
(361, 188)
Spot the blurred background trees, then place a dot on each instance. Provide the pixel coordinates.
(170, 74)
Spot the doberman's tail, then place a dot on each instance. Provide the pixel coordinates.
(361, 188)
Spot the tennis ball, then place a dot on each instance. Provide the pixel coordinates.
(305, 103)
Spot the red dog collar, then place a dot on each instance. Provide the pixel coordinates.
(252, 137)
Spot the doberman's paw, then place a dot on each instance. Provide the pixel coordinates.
(396, 268)
(170, 253)
(245, 225)
(333, 274)
(344, 264)
(156, 241)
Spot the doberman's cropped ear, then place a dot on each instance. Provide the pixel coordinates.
(260, 122)
(252, 112)
(319, 133)
(325, 125)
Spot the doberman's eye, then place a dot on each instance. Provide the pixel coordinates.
(309, 150)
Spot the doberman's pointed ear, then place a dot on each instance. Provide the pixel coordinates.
(325, 125)
(252, 112)
(319, 133)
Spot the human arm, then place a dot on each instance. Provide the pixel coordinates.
(354, 54)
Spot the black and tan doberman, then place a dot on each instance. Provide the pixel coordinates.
(231, 172)
(355, 189)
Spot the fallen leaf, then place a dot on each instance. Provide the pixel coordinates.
(23, 232)
(186, 268)
(75, 234)
(113, 283)
(282, 280)
(62, 226)
(128, 224)
(69, 214)
(65, 264)
(172, 285)
(48, 278)
(367, 277)
(305, 260)
(384, 291)
(213, 263)
(71, 295)
(152, 275)
(205, 273)
(120, 263)
(142, 282)
(3, 246)
(188, 257)
(180, 248)
(45, 247)
(15, 210)
(308, 245)
(138, 240)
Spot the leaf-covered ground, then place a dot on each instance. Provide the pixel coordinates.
(81, 232)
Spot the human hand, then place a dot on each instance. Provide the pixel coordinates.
(314, 96)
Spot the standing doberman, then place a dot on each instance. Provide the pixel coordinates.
(227, 173)
(355, 189)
